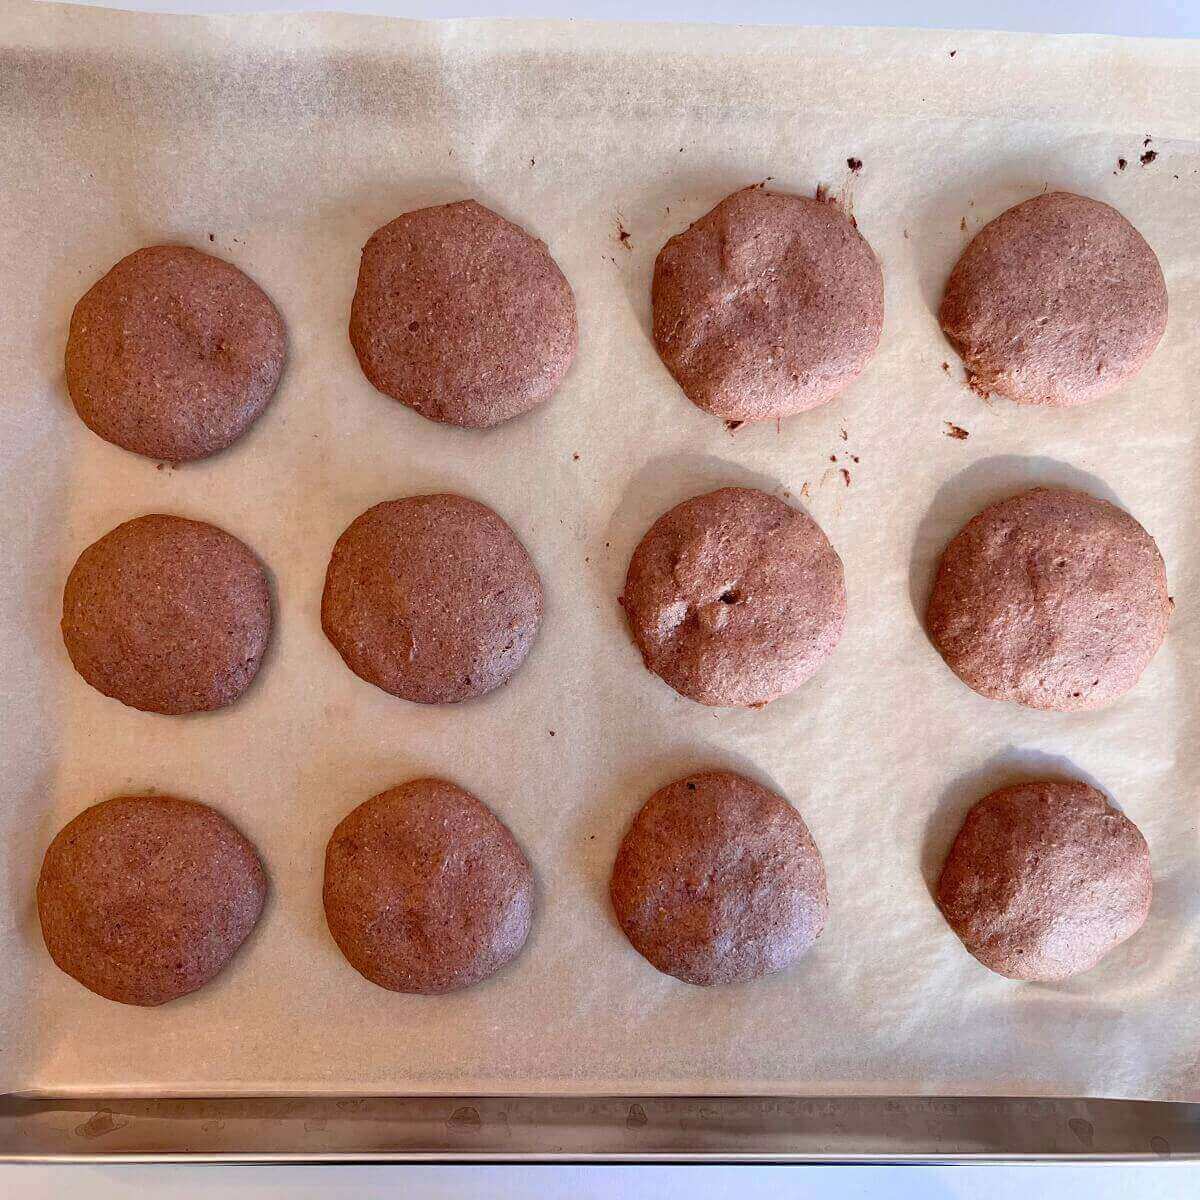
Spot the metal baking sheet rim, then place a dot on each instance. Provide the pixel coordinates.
(577, 1129)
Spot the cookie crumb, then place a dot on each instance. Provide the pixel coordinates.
(855, 458)
(1148, 157)
(804, 489)
(212, 237)
(733, 426)
(955, 431)
(845, 477)
(575, 457)
(963, 224)
(843, 434)
(533, 162)
(1121, 164)
(855, 164)
(1147, 140)
(953, 53)
(906, 235)
(833, 458)
(552, 733)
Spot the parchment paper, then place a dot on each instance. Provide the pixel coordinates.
(281, 143)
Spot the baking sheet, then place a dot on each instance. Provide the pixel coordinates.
(281, 143)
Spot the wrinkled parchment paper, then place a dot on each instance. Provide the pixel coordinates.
(281, 143)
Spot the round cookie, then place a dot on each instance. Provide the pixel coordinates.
(146, 898)
(432, 598)
(426, 890)
(1044, 879)
(462, 315)
(173, 354)
(735, 597)
(719, 881)
(167, 615)
(1057, 301)
(768, 305)
(1052, 599)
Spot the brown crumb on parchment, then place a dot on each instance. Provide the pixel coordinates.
(963, 224)
(1121, 164)
(1148, 157)
(955, 431)
(843, 434)
(946, 367)
(1147, 140)
(212, 237)
(855, 459)
(623, 235)
(906, 235)
(552, 733)
(833, 458)
(734, 426)
(855, 164)
(575, 457)
(845, 477)
(804, 489)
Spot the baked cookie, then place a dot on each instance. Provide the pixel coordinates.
(719, 881)
(432, 598)
(462, 315)
(1044, 879)
(426, 890)
(173, 354)
(1057, 301)
(146, 898)
(1052, 599)
(167, 615)
(735, 597)
(767, 305)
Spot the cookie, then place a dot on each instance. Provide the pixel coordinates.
(173, 354)
(1052, 599)
(167, 615)
(1044, 879)
(462, 315)
(719, 881)
(1057, 301)
(735, 597)
(426, 890)
(767, 305)
(145, 898)
(431, 598)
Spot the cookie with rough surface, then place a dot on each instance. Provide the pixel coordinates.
(167, 615)
(719, 881)
(1052, 599)
(1057, 301)
(173, 354)
(462, 315)
(431, 598)
(768, 305)
(735, 597)
(426, 890)
(1045, 879)
(146, 898)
